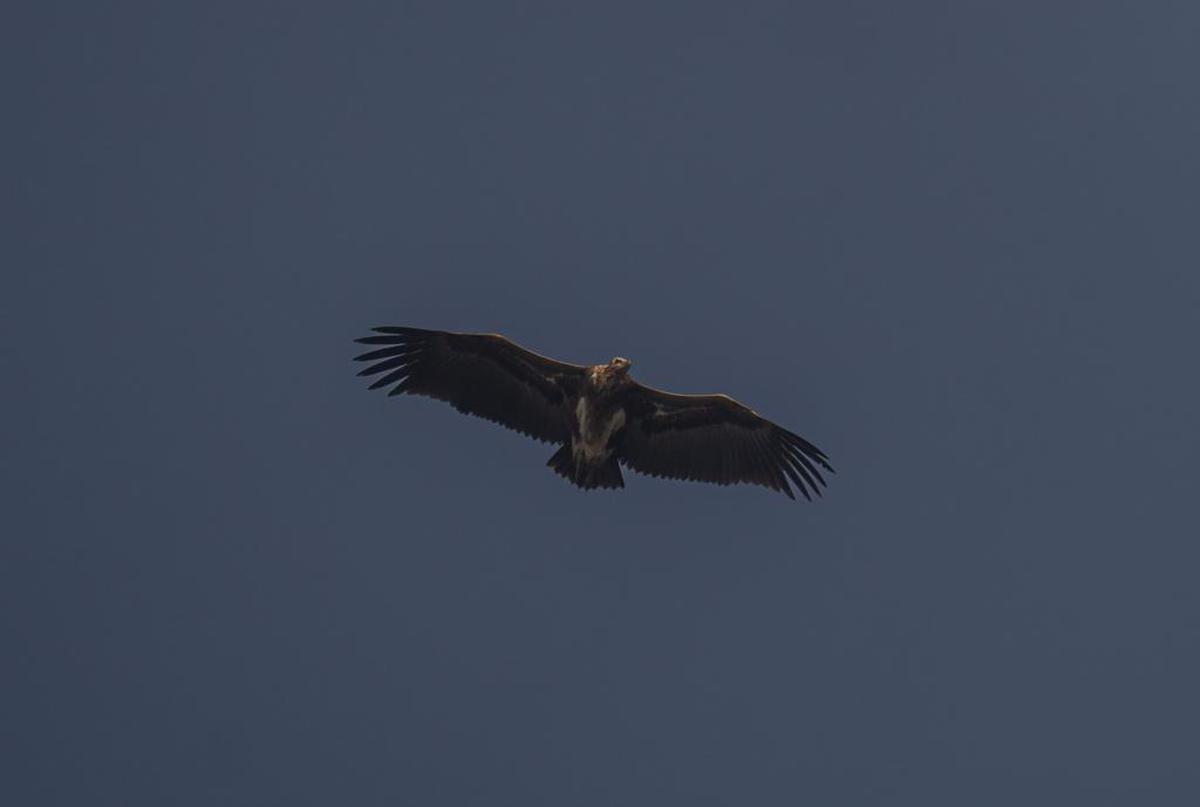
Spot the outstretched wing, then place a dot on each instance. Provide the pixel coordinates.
(480, 374)
(713, 438)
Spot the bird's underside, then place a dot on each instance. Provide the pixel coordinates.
(599, 416)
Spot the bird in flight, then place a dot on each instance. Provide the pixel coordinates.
(599, 416)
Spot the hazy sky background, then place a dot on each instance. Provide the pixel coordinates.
(955, 244)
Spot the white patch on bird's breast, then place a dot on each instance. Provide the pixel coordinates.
(592, 441)
(581, 415)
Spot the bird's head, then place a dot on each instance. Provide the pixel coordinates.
(612, 375)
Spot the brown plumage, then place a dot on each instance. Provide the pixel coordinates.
(599, 415)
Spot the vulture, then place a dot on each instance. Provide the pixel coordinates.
(599, 417)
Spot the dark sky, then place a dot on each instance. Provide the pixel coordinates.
(953, 243)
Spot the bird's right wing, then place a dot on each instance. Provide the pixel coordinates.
(480, 374)
(713, 438)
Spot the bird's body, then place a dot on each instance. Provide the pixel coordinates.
(600, 417)
(597, 416)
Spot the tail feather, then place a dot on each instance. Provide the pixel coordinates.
(603, 474)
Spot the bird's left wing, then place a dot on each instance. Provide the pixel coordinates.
(713, 438)
(480, 374)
